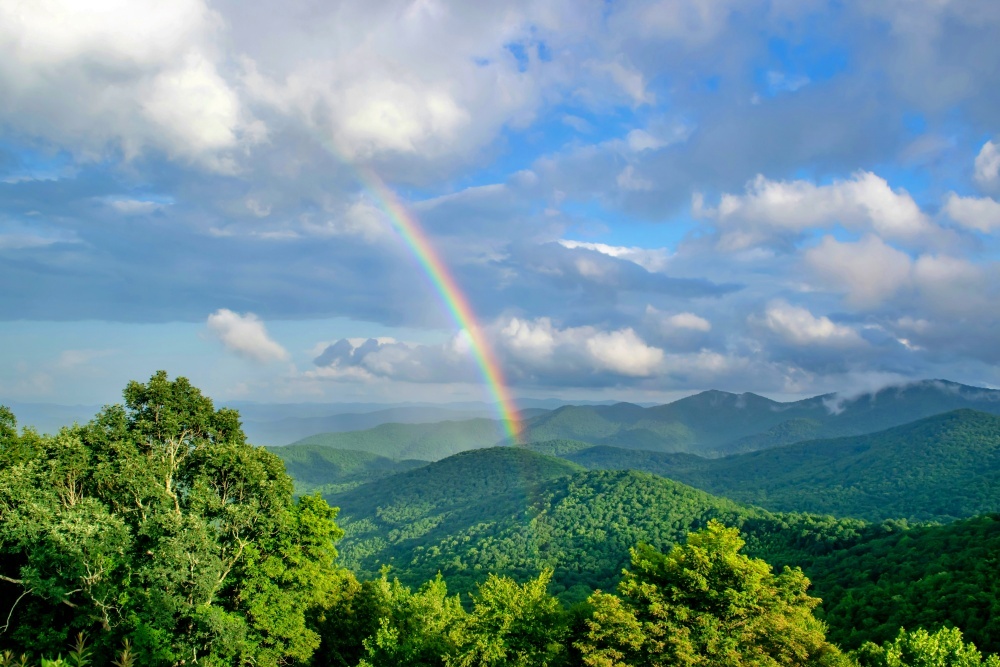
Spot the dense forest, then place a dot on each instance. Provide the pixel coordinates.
(157, 535)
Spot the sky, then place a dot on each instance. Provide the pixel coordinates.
(639, 200)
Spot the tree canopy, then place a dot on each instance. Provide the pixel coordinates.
(158, 522)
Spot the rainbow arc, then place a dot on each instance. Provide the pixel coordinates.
(452, 296)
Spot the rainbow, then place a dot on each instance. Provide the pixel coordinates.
(451, 294)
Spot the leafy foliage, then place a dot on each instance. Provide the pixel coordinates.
(157, 522)
(920, 648)
(927, 576)
(705, 603)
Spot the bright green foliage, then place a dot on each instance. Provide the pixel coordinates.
(513, 625)
(920, 648)
(414, 628)
(157, 522)
(704, 603)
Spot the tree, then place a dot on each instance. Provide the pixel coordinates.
(920, 648)
(411, 628)
(511, 624)
(704, 603)
(159, 523)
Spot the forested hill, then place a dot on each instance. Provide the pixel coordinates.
(330, 470)
(715, 422)
(939, 468)
(513, 511)
(428, 442)
(712, 423)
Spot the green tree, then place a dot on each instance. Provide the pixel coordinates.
(511, 624)
(704, 603)
(919, 648)
(159, 523)
(412, 628)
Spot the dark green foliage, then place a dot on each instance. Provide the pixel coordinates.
(329, 471)
(704, 603)
(561, 448)
(426, 442)
(927, 576)
(158, 523)
(939, 468)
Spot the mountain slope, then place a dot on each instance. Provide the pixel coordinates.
(939, 468)
(926, 576)
(512, 511)
(428, 442)
(329, 470)
(712, 423)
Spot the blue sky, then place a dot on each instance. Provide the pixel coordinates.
(640, 199)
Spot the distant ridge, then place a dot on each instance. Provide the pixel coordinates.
(938, 468)
(711, 423)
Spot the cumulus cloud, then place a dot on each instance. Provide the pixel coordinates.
(869, 271)
(987, 165)
(121, 75)
(769, 208)
(533, 351)
(981, 214)
(245, 335)
(797, 325)
(540, 346)
(672, 323)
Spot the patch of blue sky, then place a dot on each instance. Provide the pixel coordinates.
(561, 128)
(22, 163)
(598, 224)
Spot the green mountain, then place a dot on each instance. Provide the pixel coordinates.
(939, 468)
(926, 576)
(712, 423)
(330, 471)
(715, 423)
(513, 511)
(428, 442)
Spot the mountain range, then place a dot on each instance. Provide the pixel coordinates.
(712, 423)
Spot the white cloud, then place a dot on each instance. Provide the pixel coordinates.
(670, 323)
(120, 74)
(979, 213)
(623, 352)
(869, 271)
(987, 165)
(800, 327)
(651, 259)
(864, 202)
(540, 346)
(245, 335)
